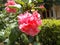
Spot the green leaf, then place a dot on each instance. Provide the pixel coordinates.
(1, 33)
(39, 27)
(18, 6)
(26, 1)
(37, 43)
(39, 0)
(20, 2)
(14, 35)
(24, 39)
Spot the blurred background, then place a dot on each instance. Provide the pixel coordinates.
(50, 29)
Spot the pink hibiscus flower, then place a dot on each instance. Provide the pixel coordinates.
(29, 23)
(10, 3)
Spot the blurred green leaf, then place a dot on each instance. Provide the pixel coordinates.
(20, 2)
(40, 0)
(25, 1)
(15, 33)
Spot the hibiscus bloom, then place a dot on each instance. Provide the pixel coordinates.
(42, 6)
(10, 3)
(29, 23)
(10, 10)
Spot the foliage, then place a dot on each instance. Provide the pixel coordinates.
(1, 36)
(49, 34)
(2, 2)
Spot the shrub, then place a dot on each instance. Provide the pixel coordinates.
(50, 29)
(50, 32)
(49, 35)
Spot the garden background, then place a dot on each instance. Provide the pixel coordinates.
(10, 33)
